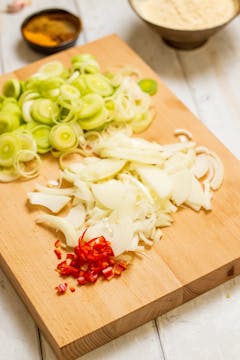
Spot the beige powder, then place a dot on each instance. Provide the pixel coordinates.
(187, 14)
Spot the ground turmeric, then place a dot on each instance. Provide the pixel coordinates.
(49, 30)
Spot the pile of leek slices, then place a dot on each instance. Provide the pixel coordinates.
(56, 106)
(127, 188)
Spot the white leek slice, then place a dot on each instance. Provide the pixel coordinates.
(54, 190)
(138, 184)
(76, 216)
(53, 183)
(217, 179)
(196, 197)
(68, 176)
(157, 179)
(182, 181)
(156, 236)
(216, 168)
(201, 166)
(207, 196)
(96, 170)
(115, 195)
(163, 220)
(183, 132)
(96, 214)
(55, 203)
(83, 193)
(26, 110)
(122, 235)
(171, 149)
(180, 161)
(51, 69)
(166, 206)
(60, 224)
(138, 155)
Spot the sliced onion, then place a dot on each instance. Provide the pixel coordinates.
(62, 225)
(55, 203)
(201, 166)
(216, 164)
(54, 190)
(183, 135)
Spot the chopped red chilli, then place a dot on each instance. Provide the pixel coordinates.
(61, 288)
(91, 260)
(57, 243)
(58, 253)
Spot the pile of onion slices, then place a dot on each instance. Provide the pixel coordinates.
(126, 189)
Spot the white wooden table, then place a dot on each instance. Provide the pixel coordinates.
(208, 81)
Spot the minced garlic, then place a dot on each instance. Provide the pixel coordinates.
(187, 14)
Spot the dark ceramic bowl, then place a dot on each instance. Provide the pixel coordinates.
(61, 15)
(183, 39)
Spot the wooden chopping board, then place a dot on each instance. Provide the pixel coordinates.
(200, 251)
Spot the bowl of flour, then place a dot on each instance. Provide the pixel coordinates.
(186, 24)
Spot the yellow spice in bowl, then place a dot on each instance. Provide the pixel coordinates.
(187, 14)
(49, 30)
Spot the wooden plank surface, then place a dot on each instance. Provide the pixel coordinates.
(176, 258)
(184, 78)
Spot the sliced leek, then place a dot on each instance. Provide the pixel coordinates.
(149, 86)
(45, 111)
(41, 136)
(27, 142)
(92, 103)
(62, 137)
(12, 88)
(27, 163)
(9, 147)
(96, 121)
(55, 108)
(51, 69)
(99, 84)
(8, 122)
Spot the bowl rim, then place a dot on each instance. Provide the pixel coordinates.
(181, 31)
(47, 11)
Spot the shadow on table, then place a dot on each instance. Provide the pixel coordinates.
(25, 53)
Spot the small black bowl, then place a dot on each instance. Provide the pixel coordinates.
(61, 15)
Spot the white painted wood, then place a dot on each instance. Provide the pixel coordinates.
(140, 344)
(206, 328)
(18, 334)
(213, 76)
(19, 337)
(207, 80)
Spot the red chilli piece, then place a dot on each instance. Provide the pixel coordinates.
(108, 273)
(58, 253)
(72, 288)
(81, 280)
(61, 288)
(91, 277)
(119, 268)
(57, 243)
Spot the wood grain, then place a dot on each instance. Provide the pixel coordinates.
(197, 253)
